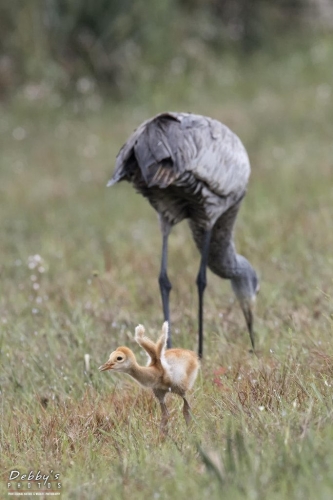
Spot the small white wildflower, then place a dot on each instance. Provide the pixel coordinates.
(34, 261)
(19, 133)
(261, 408)
(35, 286)
(35, 311)
(85, 85)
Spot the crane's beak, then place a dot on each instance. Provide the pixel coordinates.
(107, 366)
(247, 308)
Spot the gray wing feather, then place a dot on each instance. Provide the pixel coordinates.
(172, 143)
(151, 149)
(154, 152)
(215, 155)
(125, 154)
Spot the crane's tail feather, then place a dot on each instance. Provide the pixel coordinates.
(154, 152)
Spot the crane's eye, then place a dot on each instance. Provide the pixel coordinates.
(119, 358)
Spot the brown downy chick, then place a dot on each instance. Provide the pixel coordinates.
(172, 370)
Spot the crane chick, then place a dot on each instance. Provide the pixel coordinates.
(172, 370)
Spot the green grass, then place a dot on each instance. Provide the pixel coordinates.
(262, 425)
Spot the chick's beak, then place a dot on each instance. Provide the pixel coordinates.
(107, 366)
(248, 313)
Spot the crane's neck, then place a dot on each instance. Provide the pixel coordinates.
(222, 258)
(226, 263)
(243, 267)
(144, 375)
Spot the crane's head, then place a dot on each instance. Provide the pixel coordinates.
(246, 286)
(120, 360)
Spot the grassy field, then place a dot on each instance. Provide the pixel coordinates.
(79, 266)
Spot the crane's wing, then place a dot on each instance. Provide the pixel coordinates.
(214, 155)
(151, 147)
(155, 152)
(162, 341)
(170, 144)
(148, 345)
(125, 160)
(153, 350)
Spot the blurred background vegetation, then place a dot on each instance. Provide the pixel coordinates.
(121, 46)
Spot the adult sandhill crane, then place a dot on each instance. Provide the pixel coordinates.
(193, 167)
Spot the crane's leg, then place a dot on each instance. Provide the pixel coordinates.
(160, 395)
(164, 419)
(165, 285)
(201, 283)
(187, 411)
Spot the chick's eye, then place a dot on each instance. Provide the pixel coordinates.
(119, 358)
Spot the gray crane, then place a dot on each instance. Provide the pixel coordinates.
(193, 167)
